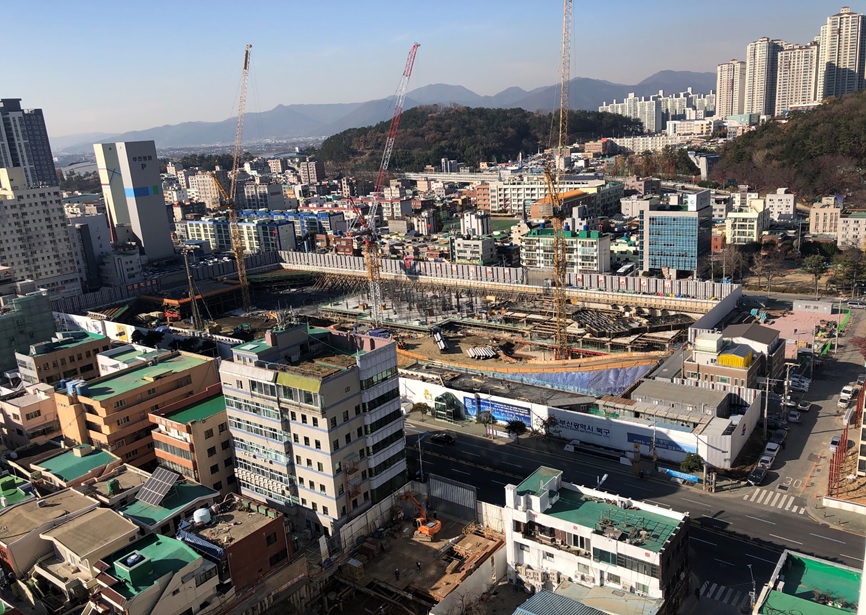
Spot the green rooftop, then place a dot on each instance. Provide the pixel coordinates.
(10, 488)
(576, 509)
(199, 411)
(856, 213)
(69, 466)
(138, 377)
(181, 495)
(816, 587)
(131, 355)
(535, 482)
(162, 556)
(64, 343)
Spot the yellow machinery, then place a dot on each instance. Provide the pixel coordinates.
(425, 528)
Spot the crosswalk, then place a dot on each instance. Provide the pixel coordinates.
(725, 595)
(775, 499)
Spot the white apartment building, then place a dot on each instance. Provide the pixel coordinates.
(585, 251)
(515, 196)
(647, 110)
(730, 88)
(120, 268)
(557, 531)
(316, 422)
(256, 235)
(475, 223)
(852, 230)
(781, 204)
(797, 76)
(653, 143)
(693, 128)
(841, 54)
(761, 72)
(474, 250)
(824, 217)
(631, 206)
(747, 224)
(36, 241)
(264, 196)
(202, 187)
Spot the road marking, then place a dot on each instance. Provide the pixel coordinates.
(662, 504)
(761, 520)
(728, 595)
(516, 465)
(761, 494)
(841, 542)
(706, 542)
(788, 539)
(721, 561)
(696, 502)
(461, 472)
(769, 561)
(639, 488)
(711, 589)
(719, 593)
(775, 498)
(788, 507)
(714, 519)
(472, 454)
(859, 559)
(498, 482)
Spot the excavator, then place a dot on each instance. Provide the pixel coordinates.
(425, 528)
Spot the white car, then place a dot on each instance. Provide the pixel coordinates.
(793, 417)
(766, 462)
(834, 443)
(771, 449)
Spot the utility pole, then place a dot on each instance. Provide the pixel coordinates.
(766, 404)
(753, 595)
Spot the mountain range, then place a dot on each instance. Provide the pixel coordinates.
(285, 122)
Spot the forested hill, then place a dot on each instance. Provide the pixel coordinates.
(816, 153)
(471, 135)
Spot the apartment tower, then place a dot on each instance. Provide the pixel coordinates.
(761, 71)
(796, 77)
(24, 143)
(730, 88)
(842, 54)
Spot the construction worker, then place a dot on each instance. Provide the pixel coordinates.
(396, 574)
(418, 566)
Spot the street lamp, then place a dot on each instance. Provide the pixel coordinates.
(753, 595)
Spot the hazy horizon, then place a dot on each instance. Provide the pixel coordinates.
(108, 67)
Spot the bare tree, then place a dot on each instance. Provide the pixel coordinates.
(768, 266)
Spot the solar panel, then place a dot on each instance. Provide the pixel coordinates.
(157, 486)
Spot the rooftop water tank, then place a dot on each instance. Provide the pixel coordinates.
(201, 516)
(113, 486)
(134, 559)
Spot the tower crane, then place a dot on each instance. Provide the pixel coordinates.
(372, 255)
(234, 224)
(560, 265)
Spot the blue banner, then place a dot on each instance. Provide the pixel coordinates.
(682, 475)
(660, 442)
(500, 411)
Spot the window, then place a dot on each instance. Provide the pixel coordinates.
(360, 431)
(319, 466)
(223, 427)
(228, 463)
(548, 556)
(524, 548)
(348, 438)
(120, 403)
(336, 444)
(357, 409)
(322, 487)
(298, 459)
(324, 510)
(239, 384)
(303, 501)
(271, 538)
(318, 445)
(33, 415)
(309, 462)
(123, 421)
(293, 415)
(214, 469)
(315, 507)
(277, 557)
(306, 441)
(366, 496)
(345, 416)
(613, 578)
(218, 485)
(301, 481)
(315, 422)
(641, 588)
(211, 451)
(227, 444)
(295, 438)
(333, 421)
(151, 391)
(208, 434)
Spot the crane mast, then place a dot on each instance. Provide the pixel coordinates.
(372, 256)
(234, 224)
(560, 265)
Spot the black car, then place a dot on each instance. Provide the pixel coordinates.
(779, 436)
(443, 438)
(757, 476)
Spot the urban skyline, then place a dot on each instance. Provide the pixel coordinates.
(486, 48)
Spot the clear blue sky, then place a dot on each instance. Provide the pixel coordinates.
(110, 65)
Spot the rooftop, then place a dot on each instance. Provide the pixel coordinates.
(90, 531)
(549, 603)
(199, 411)
(679, 393)
(20, 520)
(128, 380)
(69, 465)
(754, 332)
(535, 482)
(813, 586)
(179, 497)
(130, 355)
(236, 520)
(65, 341)
(127, 477)
(11, 489)
(162, 555)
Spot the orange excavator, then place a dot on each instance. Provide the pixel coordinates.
(425, 528)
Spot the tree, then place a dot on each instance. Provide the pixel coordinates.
(849, 266)
(768, 266)
(150, 338)
(422, 408)
(732, 261)
(516, 428)
(815, 266)
(551, 429)
(692, 463)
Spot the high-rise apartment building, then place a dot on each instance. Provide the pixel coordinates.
(315, 421)
(129, 173)
(761, 71)
(796, 77)
(312, 171)
(730, 88)
(24, 143)
(842, 54)
(36, 241)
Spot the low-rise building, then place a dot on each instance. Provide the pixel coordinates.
(246, 539)
(156, 575)
(73, 466)
(803, 583)
(24, 320)
(714, 359)
(747, 224)
(111, 411)
(68, 571)
(29, 416)
(123, 357)
(67, 355)
(852, 230)
(824, 217)
(763, 341)
(21, 544)
(557, 530)
(117, 487)
(474, 251)
(163, 515)
(192, 438)
(474, 223)
(585, 251)
(782, 205)
(14, 490)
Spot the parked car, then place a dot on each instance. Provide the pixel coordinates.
(843, 403)
(757, 476)
(834, 443)
(804, 406)
(847, 392)
(790, 403)
(799, 387)
(779, 436)
(793, 417)
(771, 449)
(443, 438)
(861, 379)
(857, 304)
(766, 462)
